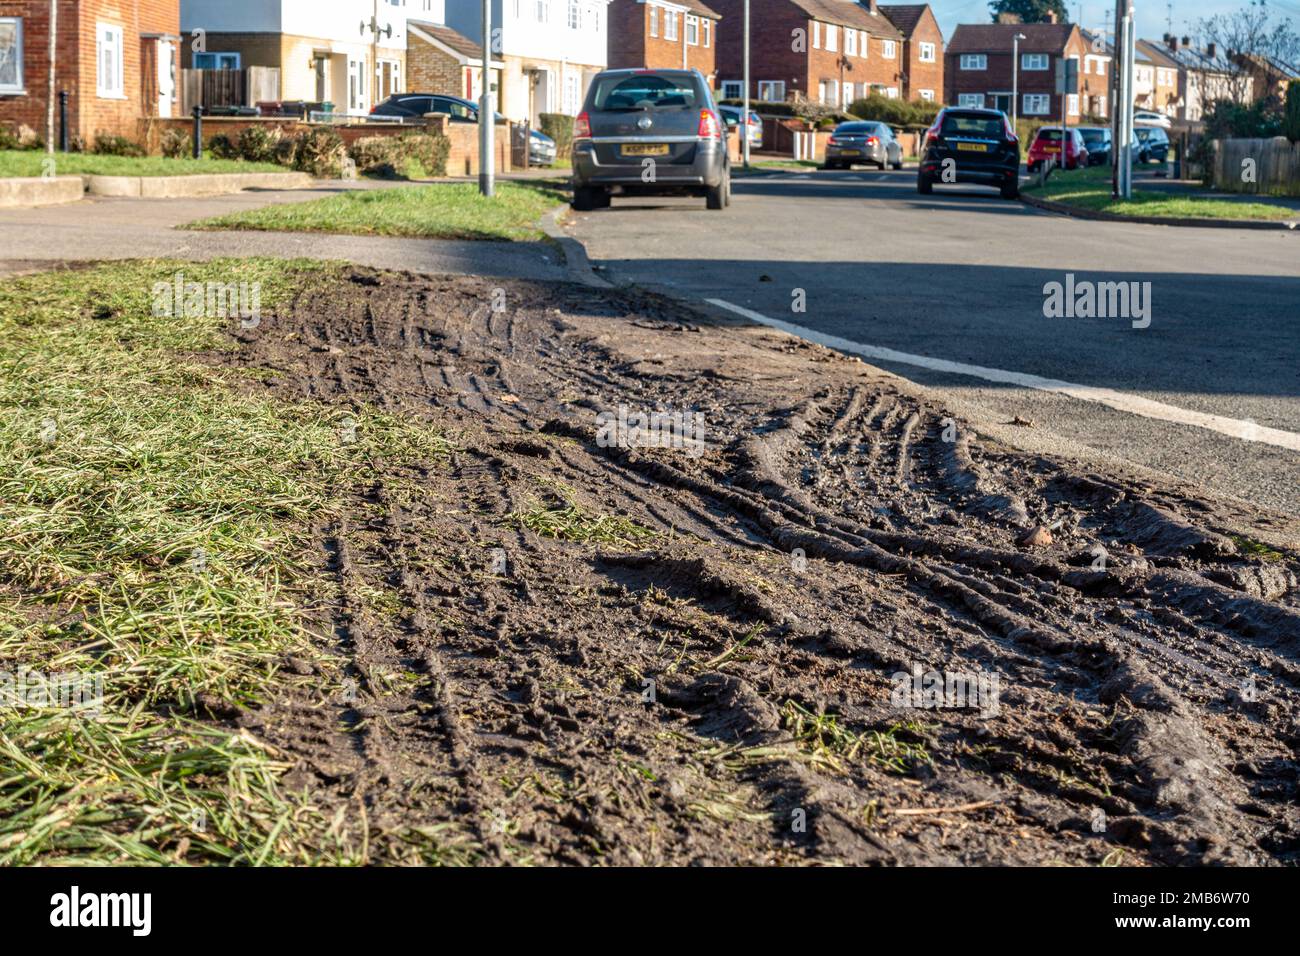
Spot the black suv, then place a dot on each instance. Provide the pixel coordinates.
(650, 132)
(1150, 144)
(967, 145)
(415, 105)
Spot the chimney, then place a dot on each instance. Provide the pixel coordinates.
(870, 5)
(1209, 50)
(1049, 16)
(1187, 41)
(1008, 18)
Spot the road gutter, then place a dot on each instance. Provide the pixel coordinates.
(1065, 209)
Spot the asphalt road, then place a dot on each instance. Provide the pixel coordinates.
(1208, 391)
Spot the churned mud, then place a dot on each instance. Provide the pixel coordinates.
(562, 650)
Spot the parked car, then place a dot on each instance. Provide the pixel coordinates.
(1047, 146)
(649, 132)
(416, 105)
(1151, 118)
(1098, 142)
(1150, 144)
(541, 149)
(731, 114)
(975, 146)
(862, 142)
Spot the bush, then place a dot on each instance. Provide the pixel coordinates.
(221, 147)
(117, 146)
(176, 144)
(321, 153)
(377, 156)
(559, 127)
(885, 109)
(258, 144)
(286, 151)
(1291, 117)
(8, 139)
(410, 156)
(426, 152)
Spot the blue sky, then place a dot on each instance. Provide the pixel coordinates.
(1152, 15)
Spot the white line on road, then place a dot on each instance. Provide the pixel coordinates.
(1133, 404)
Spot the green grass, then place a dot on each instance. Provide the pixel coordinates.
(1090, 189)
(445, 211)
(154, 517)
(15, 162)
(571, 522)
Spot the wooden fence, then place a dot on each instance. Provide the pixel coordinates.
(1266, 166)
(213, 88)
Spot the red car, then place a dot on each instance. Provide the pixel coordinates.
(1046, 147)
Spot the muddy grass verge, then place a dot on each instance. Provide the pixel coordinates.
(820, 621)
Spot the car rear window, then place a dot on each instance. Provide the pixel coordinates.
(650, 91)
(957, 124)
(1094, 135)
(1050, 135)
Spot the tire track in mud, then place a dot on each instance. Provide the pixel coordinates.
(820, 546)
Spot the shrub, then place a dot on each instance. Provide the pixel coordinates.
(176, 144)
(377, 156)
(221, 147)
(895, 112)
(8, 139)
(286, 151)
(1291, 117)
(559, 127)
(425, 153)
(411, 155)
(321, 153)
(258, 144)
(117, 146)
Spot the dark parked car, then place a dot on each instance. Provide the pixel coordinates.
(863, 142)
(755, 127)
(968, 145)
(1097, 139)
(1150, 144)
(415, 105)
(650, 132)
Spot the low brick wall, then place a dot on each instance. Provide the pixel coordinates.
(462, 160)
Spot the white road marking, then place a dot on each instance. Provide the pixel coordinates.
(1133, 404)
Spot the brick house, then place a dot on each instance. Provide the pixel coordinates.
(661, 34)
(922, 49)
(440, 60)
(1095, 75)
(826, 51)
(115, 58)
(978, 67)
(1160, 86)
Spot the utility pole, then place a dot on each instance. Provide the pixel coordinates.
(744, 116)
(1015, 78)
(1122, 117)
(54, 48)
(486, 114)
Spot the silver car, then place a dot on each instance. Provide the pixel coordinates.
(650, 133)
(863, 142)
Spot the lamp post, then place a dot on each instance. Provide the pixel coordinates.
(486, 113)
(1015, 78)
(744, 116)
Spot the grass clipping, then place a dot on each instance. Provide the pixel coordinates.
(152, 521)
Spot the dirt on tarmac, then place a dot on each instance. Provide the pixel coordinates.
(813, 619)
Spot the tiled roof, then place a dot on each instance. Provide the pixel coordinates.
(996, 37)
(905, 16)
(446, 35)
(848, 13)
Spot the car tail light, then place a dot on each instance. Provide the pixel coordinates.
(872, 141)
(710, 128)
(833, 141)
(932, 135)
(582, 127)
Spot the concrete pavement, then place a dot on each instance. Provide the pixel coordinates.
(961, 277)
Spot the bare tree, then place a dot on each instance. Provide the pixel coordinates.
(1252, 39)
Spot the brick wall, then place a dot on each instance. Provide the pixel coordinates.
(998, 78)
(632, 45)
(771, 53)
(30, 110)
(918, 75)
(430, 70)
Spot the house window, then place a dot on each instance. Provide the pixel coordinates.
(732, 89)
(974, 61)
(11, 55)
(1033, 61)
(670, 25)
(850, 42)
(832, 38)
(654, 21)
(708, 32)
(771, 91)
(575, 15)
(572, 94)
(692, 30)
(217, 61)
(927, 52)
(863, 41)
(817, 35)
(888, 49)
(543, 10)
(1037, 104)
(109, 83)
(927, 95)
(891, 92)
(971, 99)
(1074, 104)
(1101, 67)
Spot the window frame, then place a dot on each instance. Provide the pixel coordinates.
(773, 86)
(968, 61)
(19, 87)
(118, 92)
(888, 49)
(922, 46)
(1027, 58)
(964, 100)
(1046, 101)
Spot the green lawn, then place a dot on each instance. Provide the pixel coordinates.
(156, 534)
(446, 211)
(22, 162)
(1090, 189)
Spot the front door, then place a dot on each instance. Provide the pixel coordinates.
(166, 77)
(1002, 101)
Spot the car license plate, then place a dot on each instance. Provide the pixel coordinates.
(1051, 149)
(972, 147)
(646, 149)
(850, 152)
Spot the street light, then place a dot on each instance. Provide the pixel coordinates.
(1015, 77)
